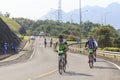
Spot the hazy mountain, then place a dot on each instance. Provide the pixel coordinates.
(109, 15)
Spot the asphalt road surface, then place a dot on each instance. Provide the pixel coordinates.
(43, 65)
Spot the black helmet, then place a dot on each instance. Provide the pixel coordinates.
(60, 36)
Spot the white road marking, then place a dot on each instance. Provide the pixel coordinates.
(113, 64)
(32, 55)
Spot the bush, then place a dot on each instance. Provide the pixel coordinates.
(71, 37)
(112, 49)
(100, 48)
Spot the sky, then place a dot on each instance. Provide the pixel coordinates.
(34, 9)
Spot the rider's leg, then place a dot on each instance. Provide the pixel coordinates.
(65, 57)
(94, 56)
(88, 58)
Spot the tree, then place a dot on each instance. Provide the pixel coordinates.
(7, 14)
(22, 31)
(117, 42)
(104, 35)
(88, 26)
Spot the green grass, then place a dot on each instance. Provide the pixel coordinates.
(69, 42)
(84, 40)
(54, 39)
(26, 38)
(13, 25)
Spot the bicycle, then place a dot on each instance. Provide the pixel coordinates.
(62, 62)
(91, 57)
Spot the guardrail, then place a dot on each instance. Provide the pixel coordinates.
(76, 43)
(108, 54)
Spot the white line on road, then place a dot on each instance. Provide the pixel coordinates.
(32, 55)
(113, 64)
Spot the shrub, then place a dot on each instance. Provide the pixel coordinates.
(112, 49)
(72, 38)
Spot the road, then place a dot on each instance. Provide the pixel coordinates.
(43, 66)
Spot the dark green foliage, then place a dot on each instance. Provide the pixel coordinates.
(25, 22)
(88, 26)
(22, 31)
(105, 35)
(49, 27)
(117, 42)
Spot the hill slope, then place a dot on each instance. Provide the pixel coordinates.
(7, 36)
(13, 25)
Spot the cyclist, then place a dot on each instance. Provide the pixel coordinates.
(91, 43)
(62, 45)
(45, 42)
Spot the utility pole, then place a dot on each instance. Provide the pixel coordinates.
(80, 23)
(59, 11)
(106, 14)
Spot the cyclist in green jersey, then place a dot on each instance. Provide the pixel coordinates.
(62, 45)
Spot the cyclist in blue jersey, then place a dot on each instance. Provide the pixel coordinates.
(92, 44)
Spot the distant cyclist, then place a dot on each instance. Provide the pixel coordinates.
(92, 44)
(45, 42)
(62, 45)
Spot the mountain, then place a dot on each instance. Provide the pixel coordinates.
(108, 15)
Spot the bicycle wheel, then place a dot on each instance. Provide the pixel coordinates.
(60, 67)
(64, 66)
(91, 64)
(91, 61)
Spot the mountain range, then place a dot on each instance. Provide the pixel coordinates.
(108, 15)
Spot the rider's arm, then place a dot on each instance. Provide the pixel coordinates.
(86, 44)
(66, 46)
(96, 44)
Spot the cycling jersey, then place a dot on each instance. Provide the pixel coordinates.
(91, 44)
(62, 45)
